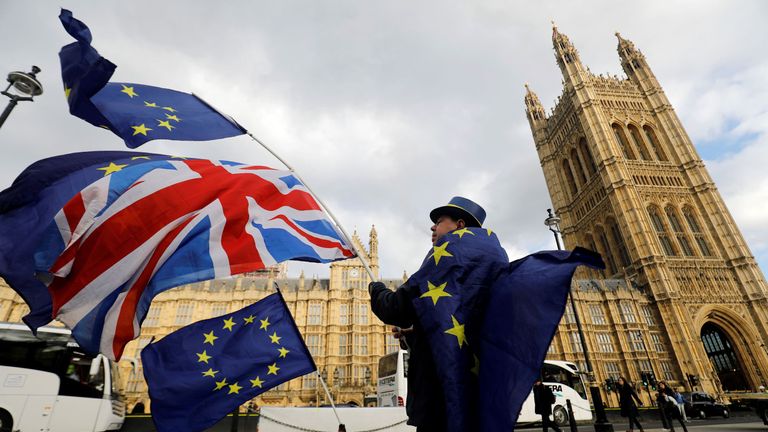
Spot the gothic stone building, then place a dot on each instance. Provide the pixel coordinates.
(682, 295)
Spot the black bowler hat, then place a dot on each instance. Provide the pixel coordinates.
(460, 208)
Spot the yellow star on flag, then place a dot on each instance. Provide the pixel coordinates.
(264, 323)
(209, 337)
(234, 388)
(67, 91)
(273, 369)
(435, 292)
(275, 338)
(172, 117)
(111, 168)
(458, 331)
(210, 372)
(439, 252)
(463, 231)
(203, 357)
(169, 109)
(257, 382)
(220, 384)
(140, 129)
(283, 352)
(150, 104)
(489, 231)
(166, 124)
(249, 320)
(476, 367)
(229, 323)
(128, 90)
(140, 157)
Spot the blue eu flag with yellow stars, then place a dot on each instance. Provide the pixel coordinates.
(136, 113)
(489, 322)
(201, 372)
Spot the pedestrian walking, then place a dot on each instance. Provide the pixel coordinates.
(627, 398)
(681, 405)
(668, 407)
(543, 398)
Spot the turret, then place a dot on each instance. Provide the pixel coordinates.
(635, 66)
(567, 57)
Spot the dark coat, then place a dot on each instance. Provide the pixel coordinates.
(425, 404)
(543, 398)
(627, 398)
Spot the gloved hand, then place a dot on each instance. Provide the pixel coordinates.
(375, 285)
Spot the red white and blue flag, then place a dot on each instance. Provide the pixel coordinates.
(152, 226)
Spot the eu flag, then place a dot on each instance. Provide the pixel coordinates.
(134, 112)
(29, 205)
(201, 372)
(489, 322)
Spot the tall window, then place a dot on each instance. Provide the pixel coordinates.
(344, 345)
(569, 317)
(627, 312)
(569, 177)
(361, 344)
(648, 315)
(218, 309)
(698, 234)
(153, 316)
(596, 311)
(661, 232)
(666, 370)
(651, 135)
(619, 241)
(610, 264)
(314, 343)
(636, 342)
(618, 131)
(393, 345)
(576, 345)
(184, 313)
(658, 343)
(344, 314)
(577, 166)
(612, 370)
(362, 314)
(589, 161)
(644, 365)
(315, 314)
(552, 348)
(309, 381)
(638, 141)
(604, 342)
(677, 227)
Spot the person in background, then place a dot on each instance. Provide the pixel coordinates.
(627, 398)
(680, 400)
(543, 399)
(668, 407)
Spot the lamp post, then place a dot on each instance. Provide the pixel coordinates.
(639, 335)
(22, 86)
(601, 421)
(336, 383)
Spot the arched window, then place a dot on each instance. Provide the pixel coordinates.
(661, 232)
(586, 155)
(654, 141)
(637, 140)
(578, 167)
(618, 240)
(610, 264)
(698, 234)
(679, 232)
(623, 143)
(569, 177)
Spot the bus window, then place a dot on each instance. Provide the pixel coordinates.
(554, 374)
(388, 365)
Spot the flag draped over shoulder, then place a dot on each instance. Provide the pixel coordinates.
(29, 205)
(160, 222)
(200, 373)
(136, 113)
(489, 322)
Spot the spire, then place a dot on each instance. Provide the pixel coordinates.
(373, 243)
(533, 107)
(564, 49)
(632, 60)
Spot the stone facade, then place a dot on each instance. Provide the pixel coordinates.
(626, 180)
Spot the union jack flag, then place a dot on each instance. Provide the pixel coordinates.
(156, 225)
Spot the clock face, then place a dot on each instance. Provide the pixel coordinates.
(353, 272)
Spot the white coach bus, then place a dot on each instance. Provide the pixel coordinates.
(562, 377)
(47, 383)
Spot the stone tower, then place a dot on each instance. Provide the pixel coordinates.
(627, 182)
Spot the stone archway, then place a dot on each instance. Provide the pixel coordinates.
(725, 360)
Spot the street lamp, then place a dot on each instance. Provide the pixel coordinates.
(24, 86)
(601, 421)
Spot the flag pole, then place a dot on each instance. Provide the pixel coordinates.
(328, 210)
(328, 393)
(290, 168)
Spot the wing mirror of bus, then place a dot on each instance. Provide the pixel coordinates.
(95, 366)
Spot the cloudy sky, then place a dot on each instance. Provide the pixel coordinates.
(387, 109)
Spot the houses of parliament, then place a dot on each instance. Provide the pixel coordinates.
(681, 297)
